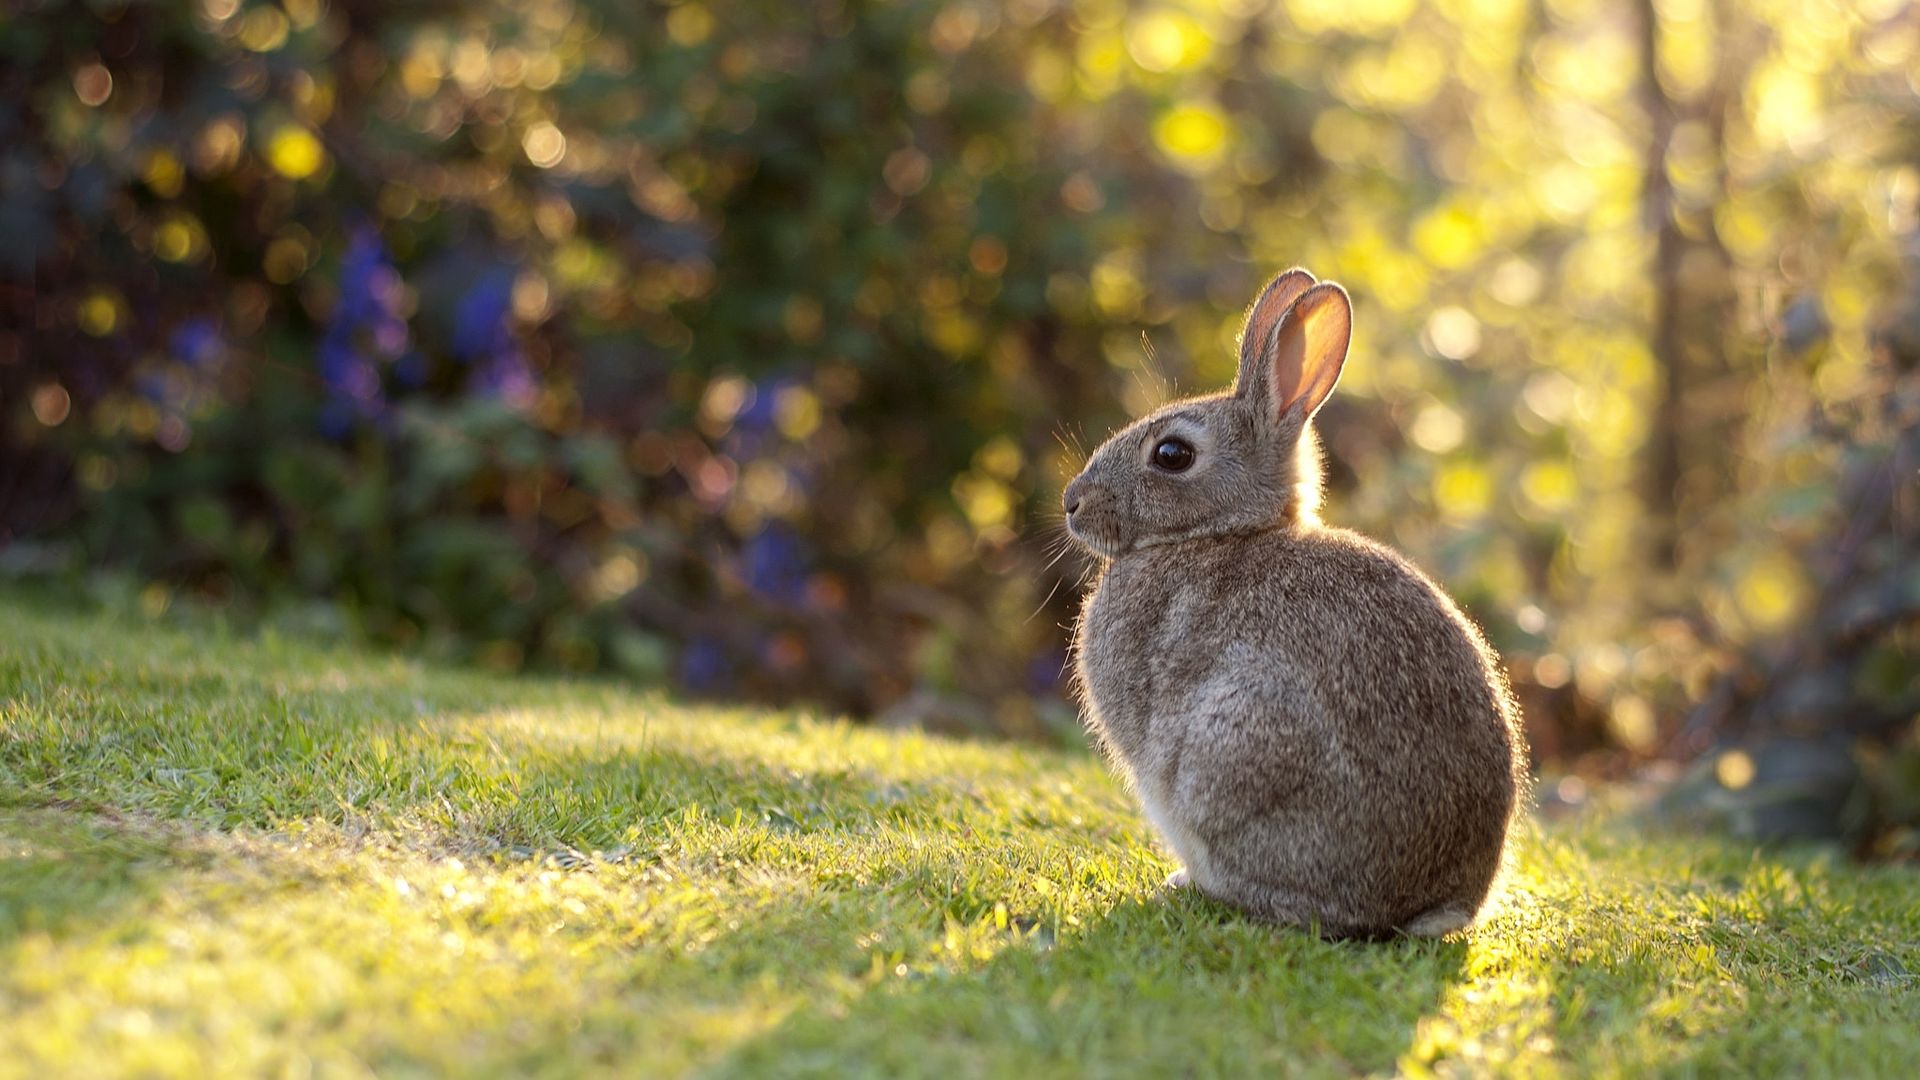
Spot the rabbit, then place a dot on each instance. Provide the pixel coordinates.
(1308, 721)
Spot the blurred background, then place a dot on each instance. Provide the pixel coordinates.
(745, 347)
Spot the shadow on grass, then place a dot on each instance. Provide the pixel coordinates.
(61, 871)
(1160, 986)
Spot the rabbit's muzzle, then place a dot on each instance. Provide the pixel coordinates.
(1089, 516)
(1074, 496)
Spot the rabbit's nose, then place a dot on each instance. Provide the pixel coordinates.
(1070, 498)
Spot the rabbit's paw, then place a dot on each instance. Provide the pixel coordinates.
(1179, 879)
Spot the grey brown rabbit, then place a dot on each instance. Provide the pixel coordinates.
(1318, 733)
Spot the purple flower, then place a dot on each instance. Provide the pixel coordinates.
(361, 278)
(703, 664)
(483, 337)
(774, 563)
(389, 335)
(757, 417)
(480, 318)
(366, 322)
(196, 342)
(347, 372)
(507, 378)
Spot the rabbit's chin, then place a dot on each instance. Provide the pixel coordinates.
(1106, 547)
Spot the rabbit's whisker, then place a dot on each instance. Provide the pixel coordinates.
(1048, 600)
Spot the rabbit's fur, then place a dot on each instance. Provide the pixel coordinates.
(1311, 724)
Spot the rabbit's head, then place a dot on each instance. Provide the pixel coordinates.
(1230, 462)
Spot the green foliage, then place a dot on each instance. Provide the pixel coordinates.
(228, 854)
(1819, 730)
(734, 341)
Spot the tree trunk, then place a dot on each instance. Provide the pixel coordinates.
(1665, 459)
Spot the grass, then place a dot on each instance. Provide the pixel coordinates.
(222, 855)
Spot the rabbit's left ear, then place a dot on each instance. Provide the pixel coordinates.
(1309, 349)
(1256, 337)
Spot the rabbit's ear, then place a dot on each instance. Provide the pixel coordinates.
(1256, 338)
(1309, 349)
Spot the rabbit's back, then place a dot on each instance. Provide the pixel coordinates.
(1305, 705)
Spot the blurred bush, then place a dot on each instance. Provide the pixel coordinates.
(748, 345)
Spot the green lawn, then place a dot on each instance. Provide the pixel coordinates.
(222, 855)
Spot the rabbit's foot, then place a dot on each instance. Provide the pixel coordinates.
(1439, 922)
(1179, 879)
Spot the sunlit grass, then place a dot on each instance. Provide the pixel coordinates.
(235, 856)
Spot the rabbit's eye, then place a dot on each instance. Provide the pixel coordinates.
(1173, 455)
